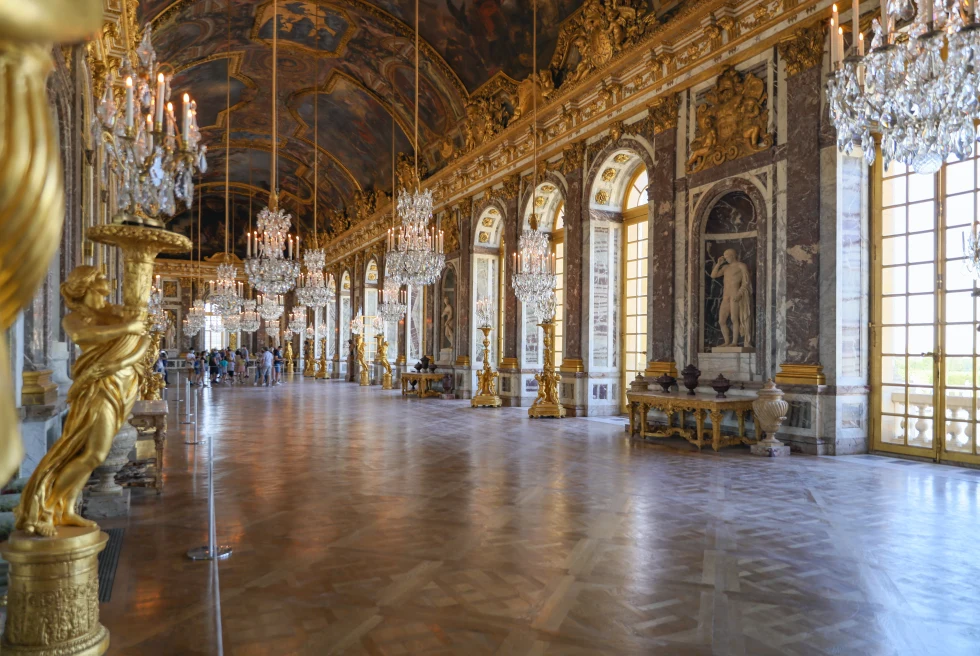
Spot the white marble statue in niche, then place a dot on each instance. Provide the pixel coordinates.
(736, 300)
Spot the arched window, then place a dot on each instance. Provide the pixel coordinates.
(558, 248)
(634, 328)
(214, 334)
(636, 195)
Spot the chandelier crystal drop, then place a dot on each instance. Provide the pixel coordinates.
(415, 251)
(250, 321)
(273, 269)
(153, 159)
(226, 292)
(920, 92)
(534, 277)
(297, 319)
(393, 306)
(195, 319)
(270, 307)
(311, 288)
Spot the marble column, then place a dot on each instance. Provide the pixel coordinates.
(465, 218)
(802, 274)
(510, 199)
(429, 346)
(660, 272)
(572, 168)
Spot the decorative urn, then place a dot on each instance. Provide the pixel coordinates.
(666, 381)
(769, 413)
(690, 375)
(721, 385)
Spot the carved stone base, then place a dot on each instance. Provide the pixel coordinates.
(732, 349)
(486, 401)
(769, 450)
(365, 379)
(38, 388)
(53, 595)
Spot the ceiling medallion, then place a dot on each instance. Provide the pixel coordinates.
(539, 201)
(602, 197)
(484, 237)
(621, 158)
(609, 175)
(487, 222)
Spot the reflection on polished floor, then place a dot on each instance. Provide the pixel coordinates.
(364, 523)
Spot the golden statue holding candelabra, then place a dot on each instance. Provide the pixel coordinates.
(289, 356)
(364, 376)
(547, 404)
(486, 391)
(321, 367)
(383, 359)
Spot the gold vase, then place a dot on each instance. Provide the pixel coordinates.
(486, 392)
(547, 403)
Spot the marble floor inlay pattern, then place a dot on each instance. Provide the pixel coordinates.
(367, 523)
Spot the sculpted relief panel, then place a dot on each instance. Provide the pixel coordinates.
(733, 121)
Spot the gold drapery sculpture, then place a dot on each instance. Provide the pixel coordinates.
(151, 382)
(321, 367)
(289, 356)
(365, 378)
(383, 359)
(309, 367)
(32, 202)
(113, 340)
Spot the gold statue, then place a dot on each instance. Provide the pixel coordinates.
(113, 340)
(383, 359)
(289, 356)
(321, 367)
(365, 378)
(547, 404)
(32, 204)
(151, 382)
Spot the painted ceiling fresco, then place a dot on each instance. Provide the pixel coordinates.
(354, 61)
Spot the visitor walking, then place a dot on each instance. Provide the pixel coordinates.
(266, 369)
(277, 366)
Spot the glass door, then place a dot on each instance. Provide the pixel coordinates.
(925, 376)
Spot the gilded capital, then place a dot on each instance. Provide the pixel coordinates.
(664, 112)
(803, 50)
(512, 186)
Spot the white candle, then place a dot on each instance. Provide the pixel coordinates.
(161, 85)
(861, 44)
(129, 102)
(185, 128)
(297, 247)
(249, 245)
(149, 131)
(290, 247)
(170, 119)
(840, 41)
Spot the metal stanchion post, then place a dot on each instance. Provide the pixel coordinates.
(187, 402)
(212, 550)
(195, 440)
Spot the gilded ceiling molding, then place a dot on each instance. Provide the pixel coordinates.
(732, 122)
(804, 49)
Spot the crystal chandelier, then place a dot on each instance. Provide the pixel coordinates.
(534, 269)
(154, 162)
(357, 323)
(226, 292)
(195, 319)
(273, 270)
(310, 332)
(287, 335)
(270, 307)
(297, 319)
(232, 322)
(415, 252)
(924, 105)
(311, 288)
(484, 313)
(155, 312)
(393, 306)
(250, 320)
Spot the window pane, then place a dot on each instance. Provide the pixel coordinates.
(893, 339)
(893, 250)
(921, 187)
(893, 191)
(893, 280)
(922, 339)
(959, 210)
(922, 247)
(922, 216)
(922, 308)
(893, 221)
(921, 278)
(959, 177)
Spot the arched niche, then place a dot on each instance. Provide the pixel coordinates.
(489, 229)
(371, 276)
(732, 214)
(446, 312)
(330, 317)
(346, 312)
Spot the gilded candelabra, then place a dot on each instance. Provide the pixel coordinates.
(365, 377)
(486, 393)
(547, 403)
(321, 367)
(151, 382)
(383, 359)
(289, 356)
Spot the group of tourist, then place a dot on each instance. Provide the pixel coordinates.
(227, 366)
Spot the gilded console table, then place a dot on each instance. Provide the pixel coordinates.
(700, 405)
(151, 416)
(424, 381)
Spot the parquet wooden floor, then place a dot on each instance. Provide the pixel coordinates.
(365, 523)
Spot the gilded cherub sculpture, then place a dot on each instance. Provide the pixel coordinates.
(113, 340)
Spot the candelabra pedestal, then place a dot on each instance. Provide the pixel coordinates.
(152, 383)
(547, 403)
(486, 393)
(364, 379)
(53, 594)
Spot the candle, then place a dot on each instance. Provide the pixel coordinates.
(840, 41)
(861, 44)
(855, 23)
(185, 128)
(249, 245)
(129, 102)
(149, 131)
(170, 119)
(833, 38)
(297, 247)
(160, 89)
(290, 247)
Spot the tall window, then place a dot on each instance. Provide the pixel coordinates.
(634, 329)
(558, 248)
(214, 334)
(925, 373)
(501, 296)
